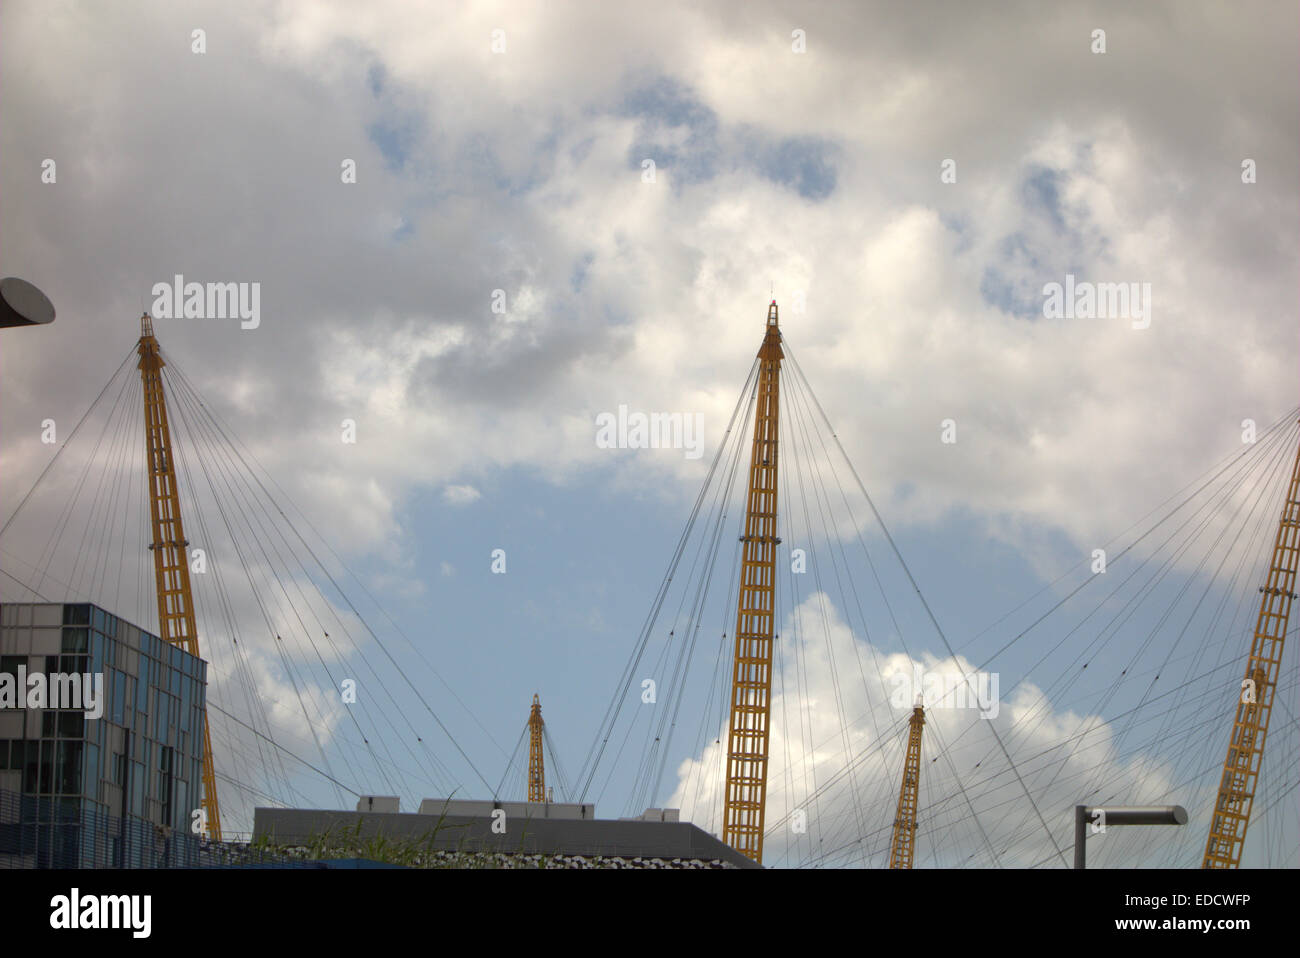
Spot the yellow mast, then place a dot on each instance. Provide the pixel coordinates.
(751, 681)
(1255, 703)
(904, 841)
(536, 768)
(171, 568)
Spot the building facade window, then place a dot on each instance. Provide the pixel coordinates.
(76, 775)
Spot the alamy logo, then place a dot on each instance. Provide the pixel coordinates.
(208, 301)
(1098, 301)
(133, 912)
(658, 430)
(947, 690)
(59, 690)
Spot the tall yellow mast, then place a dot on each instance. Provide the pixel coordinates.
(904, 841)
(1255, 703)
(171, 568)
(751, 680)
(536, 767)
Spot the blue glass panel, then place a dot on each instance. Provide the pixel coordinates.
(119, 696)
(137, 788)
(90, 773)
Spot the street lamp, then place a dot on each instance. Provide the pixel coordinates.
(1121, 815)
(22, 304)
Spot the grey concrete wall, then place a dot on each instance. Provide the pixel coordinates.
(477, 808)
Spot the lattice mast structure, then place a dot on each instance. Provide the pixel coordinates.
(751, 680)
(904, 841)
(171, 566)
(1241, 767)
(536, 764)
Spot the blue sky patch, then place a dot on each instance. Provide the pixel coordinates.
(801, 163)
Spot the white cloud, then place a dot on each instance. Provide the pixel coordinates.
(843, 800)
(460, 495)
(1060, 423)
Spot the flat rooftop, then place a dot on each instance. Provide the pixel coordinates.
(528, 832)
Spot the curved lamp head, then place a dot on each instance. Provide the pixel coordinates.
(22, 304)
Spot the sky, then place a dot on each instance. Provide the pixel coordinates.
(557, 211)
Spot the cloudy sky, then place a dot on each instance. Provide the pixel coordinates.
(559, 210)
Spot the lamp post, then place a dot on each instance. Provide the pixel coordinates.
(22, 304)
(1120, 815)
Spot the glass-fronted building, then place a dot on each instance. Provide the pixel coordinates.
(116, 791)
